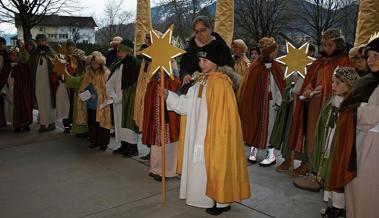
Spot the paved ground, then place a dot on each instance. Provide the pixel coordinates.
(54, 175)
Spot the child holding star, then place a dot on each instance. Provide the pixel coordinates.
(214, 172)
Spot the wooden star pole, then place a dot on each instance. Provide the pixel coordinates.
(161, 52)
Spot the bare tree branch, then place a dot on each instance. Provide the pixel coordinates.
(31, 12)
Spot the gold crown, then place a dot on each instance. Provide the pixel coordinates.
(373, 37)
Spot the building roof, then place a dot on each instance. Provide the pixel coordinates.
(56, 20)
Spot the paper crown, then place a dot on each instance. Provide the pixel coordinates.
(373, 37)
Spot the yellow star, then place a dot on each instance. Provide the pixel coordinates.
(59, 66)
(296, 60)
(161, 52)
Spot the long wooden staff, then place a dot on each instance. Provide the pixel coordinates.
(163, 138)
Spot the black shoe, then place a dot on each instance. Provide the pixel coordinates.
(129, 154)
(146, 157)
(332, 212)
(93, 146)
(131, 151)
(157, 178)
(26, 128)
(82, 135)
(251, 161)
(66, 130)
(215, 211)
(120, 150)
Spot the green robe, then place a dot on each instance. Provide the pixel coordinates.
(128, 97)
(318, 163)
(74, 83)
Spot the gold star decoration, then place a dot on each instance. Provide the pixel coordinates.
(161, 52)
(59, 66)
(296, 60)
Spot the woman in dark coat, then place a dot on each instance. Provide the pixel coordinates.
(203, 35)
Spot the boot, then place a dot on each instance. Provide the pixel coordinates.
(308, 182)
(131, 151)
(270, 159)
(285, 166)
(253, 155)
(121, 149)
(332, 212)
(301, 170)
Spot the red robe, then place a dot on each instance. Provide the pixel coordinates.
(322, 68)
(151, 121)
(253, 104)
(22, 101)
(343, 168)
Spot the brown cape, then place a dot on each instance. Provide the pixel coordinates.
(254, 101)
(22, 97)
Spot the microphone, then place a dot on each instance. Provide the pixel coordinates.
(184, 89)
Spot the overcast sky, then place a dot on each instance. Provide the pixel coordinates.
(93, 8)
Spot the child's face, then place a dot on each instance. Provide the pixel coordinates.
(70, 48)
(329, 46)
(254, 55)
(359, 62)
(236, 50)
(95, 65)
(121, 54)
(273, 54)
(13, 57)
(373, 60)
(207, 65)
(338, 87)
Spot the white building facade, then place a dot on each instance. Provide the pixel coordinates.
(60, 28)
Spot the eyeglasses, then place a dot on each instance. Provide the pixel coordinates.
(201, 30)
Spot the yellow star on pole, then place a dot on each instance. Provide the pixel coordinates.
(161, 52)
(296, 60)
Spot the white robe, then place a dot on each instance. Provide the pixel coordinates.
(115, 92)
(46, 112)
(194, 178)
(63, 102)
(171, 159)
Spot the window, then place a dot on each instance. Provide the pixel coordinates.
(85, 41)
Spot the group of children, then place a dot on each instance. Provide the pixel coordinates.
(330, 118)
